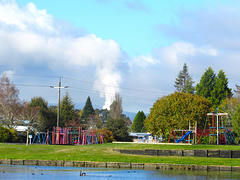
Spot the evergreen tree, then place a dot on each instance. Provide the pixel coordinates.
(138, 122)
(184, 82)
(206, 84)
(220, 90)
(87, 110)
(214, 88)
(67, 112)
(119, 129)
(237, 91)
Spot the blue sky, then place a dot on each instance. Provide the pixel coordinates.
(99, 47)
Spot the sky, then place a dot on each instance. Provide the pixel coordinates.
(100, 47)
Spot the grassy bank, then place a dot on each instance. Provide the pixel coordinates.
(105, 153)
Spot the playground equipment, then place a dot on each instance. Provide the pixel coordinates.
(69, 136)
(190, 135)
(41, 138)
(219, 128)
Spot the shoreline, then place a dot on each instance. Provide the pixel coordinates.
(143, 166)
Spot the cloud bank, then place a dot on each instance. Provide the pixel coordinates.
(29, 35)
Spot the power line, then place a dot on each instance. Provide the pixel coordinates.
(89, 82)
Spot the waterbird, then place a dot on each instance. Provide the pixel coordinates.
(82, 174)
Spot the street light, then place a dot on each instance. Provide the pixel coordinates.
(59, 92)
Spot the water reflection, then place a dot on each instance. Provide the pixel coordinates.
(49, 172)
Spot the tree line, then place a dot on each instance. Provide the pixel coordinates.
(38, 116)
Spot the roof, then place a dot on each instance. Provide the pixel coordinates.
(140, 134)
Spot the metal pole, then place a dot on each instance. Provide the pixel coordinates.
(217, 130)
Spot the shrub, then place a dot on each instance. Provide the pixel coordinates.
(5, 135)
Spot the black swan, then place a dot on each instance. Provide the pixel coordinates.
(82, 174)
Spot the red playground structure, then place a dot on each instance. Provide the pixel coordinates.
(69, 136)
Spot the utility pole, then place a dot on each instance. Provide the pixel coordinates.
(59, 96)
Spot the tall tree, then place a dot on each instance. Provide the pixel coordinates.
(9, 102)
(206, 84)
(116, 122)
(67, 112)
(116, 107)
(220, 90)
(47, 118)
(184, 82)
(214, 88)
(138, 122)
(237, 91)
(87, 110)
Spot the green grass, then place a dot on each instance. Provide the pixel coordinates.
(105, 153)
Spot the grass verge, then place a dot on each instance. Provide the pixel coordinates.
(105, 153)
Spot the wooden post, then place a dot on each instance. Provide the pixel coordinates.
(27, 139)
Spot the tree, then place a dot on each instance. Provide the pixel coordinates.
(206, 84)
(116, 107)
(184, 82)
(87, 110)
(220, 90)
(236, 123)
(175, 111)
(9, 102)
(214, 88)
(237, 91)
(229, 105)
(30, 113)
(119, 129)
(67, 112)
(116, 122)
(47, 119)
(138, 122)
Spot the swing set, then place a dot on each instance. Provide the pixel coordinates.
(189, 136)
(220, 131)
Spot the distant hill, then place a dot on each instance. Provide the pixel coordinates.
(131, 115)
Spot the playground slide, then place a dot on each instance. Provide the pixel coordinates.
(183, 137)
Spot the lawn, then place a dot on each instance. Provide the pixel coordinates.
(105, 153)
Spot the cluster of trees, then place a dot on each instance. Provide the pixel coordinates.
(40, 117)
(211, 86)
(189, 104)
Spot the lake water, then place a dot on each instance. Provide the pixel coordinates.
(9, 172)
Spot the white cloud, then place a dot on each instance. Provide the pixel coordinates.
(143, 62)
(178, 51)
(26, 18)
(27, 44)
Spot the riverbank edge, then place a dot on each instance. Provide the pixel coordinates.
(176, 152)
(146, 166)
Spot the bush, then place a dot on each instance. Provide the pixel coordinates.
(15, 135)
(107, 135)
(204, 139)
(5, 135)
